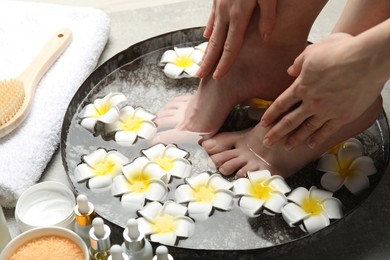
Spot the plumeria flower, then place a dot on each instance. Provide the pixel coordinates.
(132, 123)
(100, 167)
(204, 192)
(182, 62)
(312, 209)
(261, 193)
(165, 223)
(105, 110)
(170, 159)
(346, 166)
(142, 181)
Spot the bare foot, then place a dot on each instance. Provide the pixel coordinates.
(243, 151)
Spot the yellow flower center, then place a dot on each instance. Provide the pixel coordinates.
(261, 191)
(140, 183)
(164, 162)
(164, 224)
(105, 167)
(335, 149)
(345, 172)
(312, 206)
(204, 193)
(183, 61)
(131, 124)
(103, 109)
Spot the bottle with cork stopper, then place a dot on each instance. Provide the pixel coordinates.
(135, 245)
(84, 213)
(162, 254)
(100, 240)
(116, 253)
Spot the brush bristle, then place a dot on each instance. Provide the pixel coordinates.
(11, 99)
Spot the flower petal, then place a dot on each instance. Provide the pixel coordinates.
(174, 209)
(151, 210)
(186, 51)
(99, 182)
(198, 180)
(125, 138)
(133, 169)
(165, 238)
(172, 151)
(298, 195)
(332, 181)
(364, 164)
(127, 111)
(357, 183)
(293, 214)
(197, 56)
(328, 163)
(241, 186)
(348, 153)
(133, 201)
(199, 210)
(276, 202)
(157, 190)
(192, 70)
(333, 208)
(202, 47)
(250, 206)
(185, 227)
(168, 56)
(278, 183)
(117, 99)
(172, 71)
(145, 226)
(223, 199)
(259, 176)
(83, 172)
(120, 185)
(89, 123)
(184, 193)
(147, 130)
(319, 194)
(315, 223)
(154, 151)
(181, 168)
(110, 116)
(95, 157)
(145, 115)
(89, 111)
(219, 183)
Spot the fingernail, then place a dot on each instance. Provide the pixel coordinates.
(288, 146)
(199, 74)
(264, 123)
(266, 37)
(267, 142)
(209, 144)
(216, 75)
(312, 144)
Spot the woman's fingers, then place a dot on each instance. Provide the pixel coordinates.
(267, 17)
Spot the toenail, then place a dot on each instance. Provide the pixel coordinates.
(208, 144)
(221, 170)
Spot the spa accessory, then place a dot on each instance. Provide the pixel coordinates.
(135, 245)
(85, 213)
(117, 253)
(162, 254)
(5, 236)
(16, 95)
(26, 151)
(100, 240)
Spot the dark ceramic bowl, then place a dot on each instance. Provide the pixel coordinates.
(225, 235)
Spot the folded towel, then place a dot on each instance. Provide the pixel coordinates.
(24, 29)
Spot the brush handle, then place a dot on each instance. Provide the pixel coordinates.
(45, 59)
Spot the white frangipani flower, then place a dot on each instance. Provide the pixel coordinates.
(100, 167)
(204, 192)
(105, 110)
(141, 180)
(182, 62)
(170, 158)
(261, 193)
(165, 223)
(131, 124)
(346, 166)
(312, 209)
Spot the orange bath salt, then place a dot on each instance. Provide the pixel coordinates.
(49, 247)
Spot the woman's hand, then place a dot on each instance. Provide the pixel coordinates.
(226, 28)
(335, 83)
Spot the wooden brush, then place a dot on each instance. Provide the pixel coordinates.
(16, 95)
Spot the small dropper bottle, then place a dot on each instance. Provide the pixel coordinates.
(100, 240)
(85, 213)
(162, 254)
(116, 253)
(135, 245)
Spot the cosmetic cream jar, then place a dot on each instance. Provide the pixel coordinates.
(45, 204)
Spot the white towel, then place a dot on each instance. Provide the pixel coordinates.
(24, 29)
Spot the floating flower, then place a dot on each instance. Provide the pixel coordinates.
(105, 110)
(204, 192)
(311, 210)
(165, 223)
(346, 166)
(182, 62)
(100, 167)
(169, 158)
(261, 193)
(131, 124)
(141, 180)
